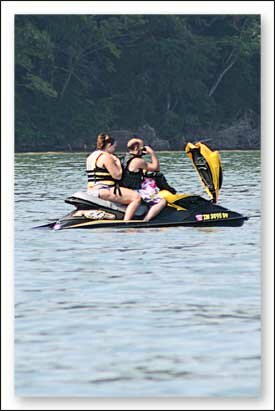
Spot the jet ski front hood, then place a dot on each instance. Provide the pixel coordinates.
(208, 166)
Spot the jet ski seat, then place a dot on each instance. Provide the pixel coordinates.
(85, 199)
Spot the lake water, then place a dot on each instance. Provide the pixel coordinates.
(136, 313)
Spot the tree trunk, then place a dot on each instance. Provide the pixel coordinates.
(222, 74)
(231, 60)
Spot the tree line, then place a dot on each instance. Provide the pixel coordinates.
(78, 75)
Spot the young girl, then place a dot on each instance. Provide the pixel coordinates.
(133, 176)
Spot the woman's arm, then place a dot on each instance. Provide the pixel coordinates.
(113, 165)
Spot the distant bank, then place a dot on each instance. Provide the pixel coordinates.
(242, 135)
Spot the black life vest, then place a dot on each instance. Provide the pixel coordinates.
(131, 179)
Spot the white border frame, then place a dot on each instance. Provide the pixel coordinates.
(9, 9)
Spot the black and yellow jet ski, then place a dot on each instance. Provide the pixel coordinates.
(181, 210)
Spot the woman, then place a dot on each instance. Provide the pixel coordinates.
(104, 172)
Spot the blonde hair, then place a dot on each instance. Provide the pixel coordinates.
(103, 139)
(134, 143)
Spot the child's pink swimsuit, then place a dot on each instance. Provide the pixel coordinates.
(149, 191)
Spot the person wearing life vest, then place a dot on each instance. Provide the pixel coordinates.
(134, 176)
(104, 172)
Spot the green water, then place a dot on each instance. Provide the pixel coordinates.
(146, 313)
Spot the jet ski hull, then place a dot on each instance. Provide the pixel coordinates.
(186, 210)
(70, 223)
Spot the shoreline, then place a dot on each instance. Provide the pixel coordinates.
(119, 152)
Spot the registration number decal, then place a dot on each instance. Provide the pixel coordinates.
(211, 216)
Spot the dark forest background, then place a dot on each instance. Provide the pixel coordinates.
(171, 78)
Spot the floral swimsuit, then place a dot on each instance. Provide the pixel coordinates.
(149, 191)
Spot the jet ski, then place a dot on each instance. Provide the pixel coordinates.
(181, 209)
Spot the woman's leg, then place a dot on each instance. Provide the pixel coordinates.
(128, 197)
(155, 210)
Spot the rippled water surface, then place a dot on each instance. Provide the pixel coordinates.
(147, 313)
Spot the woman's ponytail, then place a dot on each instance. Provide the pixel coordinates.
(103, 139)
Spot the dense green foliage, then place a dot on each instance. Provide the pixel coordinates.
(76, 75)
